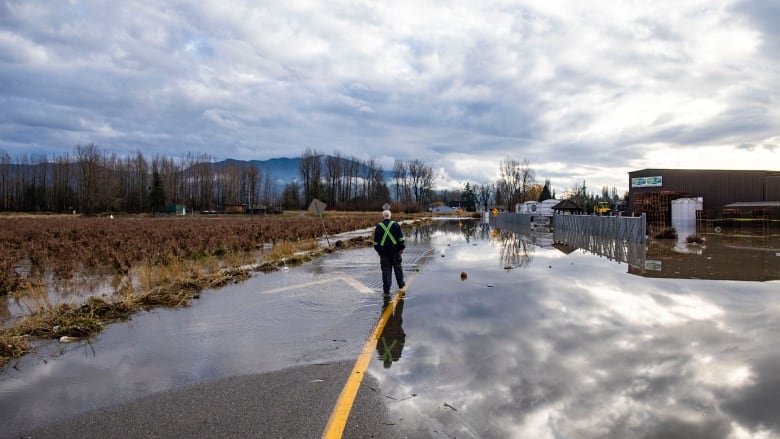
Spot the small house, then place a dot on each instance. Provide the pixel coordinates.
(568, 207)
(444, 209)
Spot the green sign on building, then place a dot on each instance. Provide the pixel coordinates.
(647, 182)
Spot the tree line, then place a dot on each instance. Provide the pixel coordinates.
(92, 181)
(517, 184)
(348, 183)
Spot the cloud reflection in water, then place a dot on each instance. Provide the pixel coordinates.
(575, 347)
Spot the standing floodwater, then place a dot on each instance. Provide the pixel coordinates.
(502, 333)
(543, 339)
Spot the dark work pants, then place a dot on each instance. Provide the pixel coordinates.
(390, 264)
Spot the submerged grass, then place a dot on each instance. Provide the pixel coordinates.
(166, 270)
(174, 283)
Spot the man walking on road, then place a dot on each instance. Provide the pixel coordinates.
(389, 244)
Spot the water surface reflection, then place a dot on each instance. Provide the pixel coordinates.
(575, 345)
(393, 338)
(316, 313)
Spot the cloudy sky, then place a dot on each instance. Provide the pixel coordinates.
(584, 90)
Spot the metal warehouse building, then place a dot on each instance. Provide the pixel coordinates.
(651, 190)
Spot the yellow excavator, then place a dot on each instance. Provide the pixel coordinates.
(601, 208)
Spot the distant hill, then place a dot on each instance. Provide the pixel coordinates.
(284, 169)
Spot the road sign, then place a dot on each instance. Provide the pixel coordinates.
(317, 207)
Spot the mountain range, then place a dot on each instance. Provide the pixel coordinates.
(284, 169)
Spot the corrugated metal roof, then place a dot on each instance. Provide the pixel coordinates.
(703, 171)
(754, 204)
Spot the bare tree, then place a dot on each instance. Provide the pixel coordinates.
(508, 181)
(88, 159)
(113, 195)
(205, 178)
(333, 171)
(515, 180)
(351, 176)
(367, 178)
(483, 193)
(231, 182)
(311, 174)
(578, 194)
(252, 177)
(139, 168)
(5, 178)
(269, 194)
(421, 178)
(379, 193)
(401, 180)
(291, 195)
(527, 178)
(63, 184)
(170, 179)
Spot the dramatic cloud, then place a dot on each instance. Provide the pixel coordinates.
(583, 90)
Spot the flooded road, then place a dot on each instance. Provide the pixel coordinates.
(544, 340)
(502, 333)
(317, 313)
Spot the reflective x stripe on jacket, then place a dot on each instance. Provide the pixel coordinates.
(387, 234)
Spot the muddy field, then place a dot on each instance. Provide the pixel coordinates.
(152, 261)
(61, 246)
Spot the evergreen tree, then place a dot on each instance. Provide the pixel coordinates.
(468, 199)
(157, 194)
(546, 195)
(291, 195)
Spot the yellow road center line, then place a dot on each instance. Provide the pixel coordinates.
(338, 418)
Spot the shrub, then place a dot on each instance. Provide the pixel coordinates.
(667, 233)
(694, 239)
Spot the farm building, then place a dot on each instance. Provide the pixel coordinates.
(733, 194)
(234, 208)
(175, 209)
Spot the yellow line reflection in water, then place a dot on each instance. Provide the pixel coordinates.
(338, 418)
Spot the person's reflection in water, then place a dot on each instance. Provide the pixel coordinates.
(392, 340)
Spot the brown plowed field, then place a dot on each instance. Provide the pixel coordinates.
(62, 246)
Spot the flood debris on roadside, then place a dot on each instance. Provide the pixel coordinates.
(12, 347)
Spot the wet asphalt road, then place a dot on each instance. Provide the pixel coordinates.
(291, 403)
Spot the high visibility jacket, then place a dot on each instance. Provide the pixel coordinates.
(388, 237)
